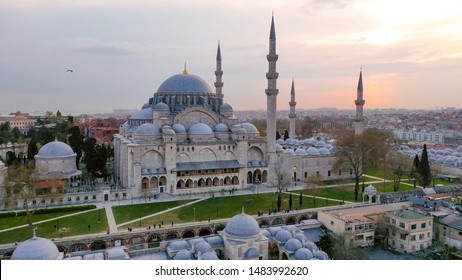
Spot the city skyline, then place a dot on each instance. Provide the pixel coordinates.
(121, 52)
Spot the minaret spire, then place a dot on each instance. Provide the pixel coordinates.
(292, 115)
(359, 102)
(218, 75)
(271, 100)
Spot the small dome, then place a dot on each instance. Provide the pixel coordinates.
(178, 245)
(280, 141)
(203, 247)
(242, 226)
(459, 149)
(303, 254)
(209, 256)
(179, 128)
(283, 235)
(292, 245)
(221, 127)
(273, 230)
(321, 255)
(311, 246)
(311, 151)
(200, 128)
(300, 152)
(184, 84)
(251, 253)
(266, 233)
(37, 248)
(55, 149)
(147, 129)
(324, 151)
(225, 107)
(161, 106)
(183, 255)
(279, 148)
(301, 237)
(320, 144)
(329, 147)
(289, 151)
(143, 114)
(250, 128)
(146, 105)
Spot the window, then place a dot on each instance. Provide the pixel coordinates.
(402, 247)
(401, 225)
(306, 174)
(393, 221)
(428, 234)
(331, 223)
(328, 173)
(359, 237)
(414, 226)
(421, 236)
(403, 236)
(412, 237)
(423, 225)
(340, 173)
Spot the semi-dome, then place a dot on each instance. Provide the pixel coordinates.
(143, 114)
(184, 84)
(183, 255)
(303, 254)
(221, 127)
(283, 235)
(147, 129)
(200, 128)
(37, 248)
(55, 149)
(146, 105)
(179, 128)
(225, 107)
(250, 128)
(251, 253)
(161, 106)
(242, 226)
(292, 245)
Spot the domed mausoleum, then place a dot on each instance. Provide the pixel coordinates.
(37, 248)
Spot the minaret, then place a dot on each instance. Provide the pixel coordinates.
(218, 74)
(292, 115)
(271, 99)
(359, 118)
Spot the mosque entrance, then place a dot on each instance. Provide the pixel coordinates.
(106, 197)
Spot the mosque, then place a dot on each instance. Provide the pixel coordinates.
(186, 139)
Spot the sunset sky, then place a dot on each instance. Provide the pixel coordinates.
(121, 51)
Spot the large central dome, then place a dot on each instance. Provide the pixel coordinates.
(185, 84)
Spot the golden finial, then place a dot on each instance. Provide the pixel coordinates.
(185, 71)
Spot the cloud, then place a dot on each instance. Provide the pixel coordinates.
(98, 47)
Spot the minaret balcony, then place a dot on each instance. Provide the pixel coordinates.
(360, 102)
(272, 76)
(218, 84)
(218, 73)
(272, 57)
(270, 92)
(292, 103)
(292, 115)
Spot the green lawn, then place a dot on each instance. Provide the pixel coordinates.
(127, 213)
(226, 207)
(347, 181)
(10, 222)
(70, 226)
(347, 193)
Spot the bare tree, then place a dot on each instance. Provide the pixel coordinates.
(397, 166)
(24, 190)
(314, 180)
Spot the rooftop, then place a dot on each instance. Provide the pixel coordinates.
(409, 215)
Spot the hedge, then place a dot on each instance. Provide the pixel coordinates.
(49, 210)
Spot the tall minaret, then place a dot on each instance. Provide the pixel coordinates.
(218, 74)
(292, 115)
(359, 118)
(271, 99)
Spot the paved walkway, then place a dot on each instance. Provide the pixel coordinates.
(110, 218)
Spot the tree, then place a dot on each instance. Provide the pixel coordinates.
(278, 135)
(396, 167)
(286, 134)
(425, 176)
(301, 201)
(95, 158)
(357, 152)
(327, 243)
(279, 202)
(290, 201)
(21, 190)
(75, 140)
(32, 149)
(314, 180)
